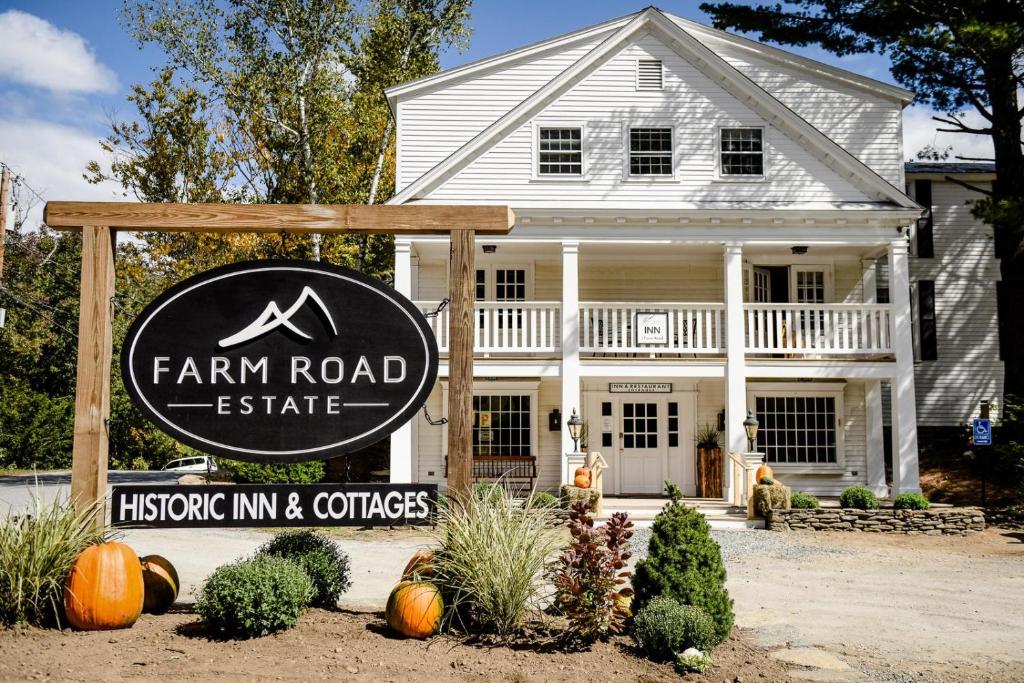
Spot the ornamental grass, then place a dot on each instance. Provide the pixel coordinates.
(491, 559)
(37, 550)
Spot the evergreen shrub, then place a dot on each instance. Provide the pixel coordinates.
(684, 563)
(910, 501)
(859, 497)
(803, 501)
(664, 628)
(292, 473)
(543, 499)
(324, 563)
(254, 597)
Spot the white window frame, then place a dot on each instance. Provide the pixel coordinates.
(835, 390)
(535, 174)
(661, 123)
(490, 269)
(827, 278)
(531, 389)
(727, 178)
(636, 75)
(771, 261)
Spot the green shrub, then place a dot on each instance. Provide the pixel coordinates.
(543, 499)
(859, 497)
(684, 563)
(803, 501)
(254, 597)
(491, 557)
(590, 574)
(325, 564)
(487, 488)
(664, 628)
(910, 501)
(37, 549)
(293, 473)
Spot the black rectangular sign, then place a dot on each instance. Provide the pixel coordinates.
(272, 505)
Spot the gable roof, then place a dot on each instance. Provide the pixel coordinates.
(775, 54)
(728, 77)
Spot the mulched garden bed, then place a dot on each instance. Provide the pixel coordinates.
(337, 645)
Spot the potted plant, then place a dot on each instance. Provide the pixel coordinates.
(709, 461)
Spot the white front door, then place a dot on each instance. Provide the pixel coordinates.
(643, 446)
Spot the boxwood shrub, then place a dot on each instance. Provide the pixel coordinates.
(804, 501)
(910, 501)
(293, 473)
(325, 564)
(543, 499)
(859, 497)
(665, 628)
(254, 597)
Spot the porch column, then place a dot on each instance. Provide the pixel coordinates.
(905, 476)
(570, 346)
(875, 435)
(735, 363)
(402, 438)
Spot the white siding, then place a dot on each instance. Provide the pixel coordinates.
(965, 272)
(607, 102)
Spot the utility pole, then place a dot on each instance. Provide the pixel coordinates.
(5, 197)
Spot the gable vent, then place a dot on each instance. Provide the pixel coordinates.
(648, 74)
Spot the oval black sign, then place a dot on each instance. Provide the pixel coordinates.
(279, 361)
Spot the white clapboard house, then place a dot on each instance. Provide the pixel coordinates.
(954, 276)
(701, 224)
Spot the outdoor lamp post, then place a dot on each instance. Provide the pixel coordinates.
(575, 425)
(750, 425)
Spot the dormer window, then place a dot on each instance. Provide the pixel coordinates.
(650, 151)
(742, 153)
(560, 151)
(649, 74)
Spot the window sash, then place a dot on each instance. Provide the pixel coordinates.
(741, 151)
(798, 429)
(560, 151)
(510, 430)
(650, 151)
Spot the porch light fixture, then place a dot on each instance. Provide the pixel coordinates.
(750, 425)
(575, 425)
(490, 248)
(798, 250)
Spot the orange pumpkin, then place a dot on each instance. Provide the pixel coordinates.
(582, 478)
(420, 565)
(105, 589)
(161, 584)
(414, 609)
(763, 471)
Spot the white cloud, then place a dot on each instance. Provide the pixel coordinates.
(35, 52)
(919, 132)
(52, 159)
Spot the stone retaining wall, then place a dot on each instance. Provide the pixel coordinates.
(931, 522)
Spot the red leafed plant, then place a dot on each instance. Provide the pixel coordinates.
(590, 578)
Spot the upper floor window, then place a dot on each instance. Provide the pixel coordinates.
(742, 151)
(561, 151)
(650, 151)
(648, 74)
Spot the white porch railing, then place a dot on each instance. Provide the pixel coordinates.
(692, 328)
(818, 329)
(506, 327)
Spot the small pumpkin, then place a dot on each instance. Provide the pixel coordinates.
(160, 579)
(763, 471)
(582, 478)
(105, 589)
(420, 565)
(414, 609)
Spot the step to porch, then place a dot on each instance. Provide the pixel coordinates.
(720, 514)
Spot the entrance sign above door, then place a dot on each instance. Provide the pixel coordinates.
(640, 387)
(279, 361)
(651, 328)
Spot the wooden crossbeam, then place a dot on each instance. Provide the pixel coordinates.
(322, 218)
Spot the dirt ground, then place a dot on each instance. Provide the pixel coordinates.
(350, 646)
(890, 607)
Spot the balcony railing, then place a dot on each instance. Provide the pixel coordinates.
(692, 328)
(523, 327)
(818, 329)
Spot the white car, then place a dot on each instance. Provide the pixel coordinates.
(203, 463)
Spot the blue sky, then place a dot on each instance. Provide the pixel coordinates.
(65, 67)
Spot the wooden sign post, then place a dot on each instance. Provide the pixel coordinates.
(99, 222)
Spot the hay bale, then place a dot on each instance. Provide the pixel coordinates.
(770, 497)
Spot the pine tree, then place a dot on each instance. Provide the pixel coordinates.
(684, 563)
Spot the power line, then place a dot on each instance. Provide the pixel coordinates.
(56, 309)
(40, 313)
(20, 179)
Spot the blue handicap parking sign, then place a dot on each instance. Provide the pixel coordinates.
(982, 432)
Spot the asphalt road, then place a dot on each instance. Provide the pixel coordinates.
(16, 491)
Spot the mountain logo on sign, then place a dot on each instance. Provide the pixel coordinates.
(272, 318)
